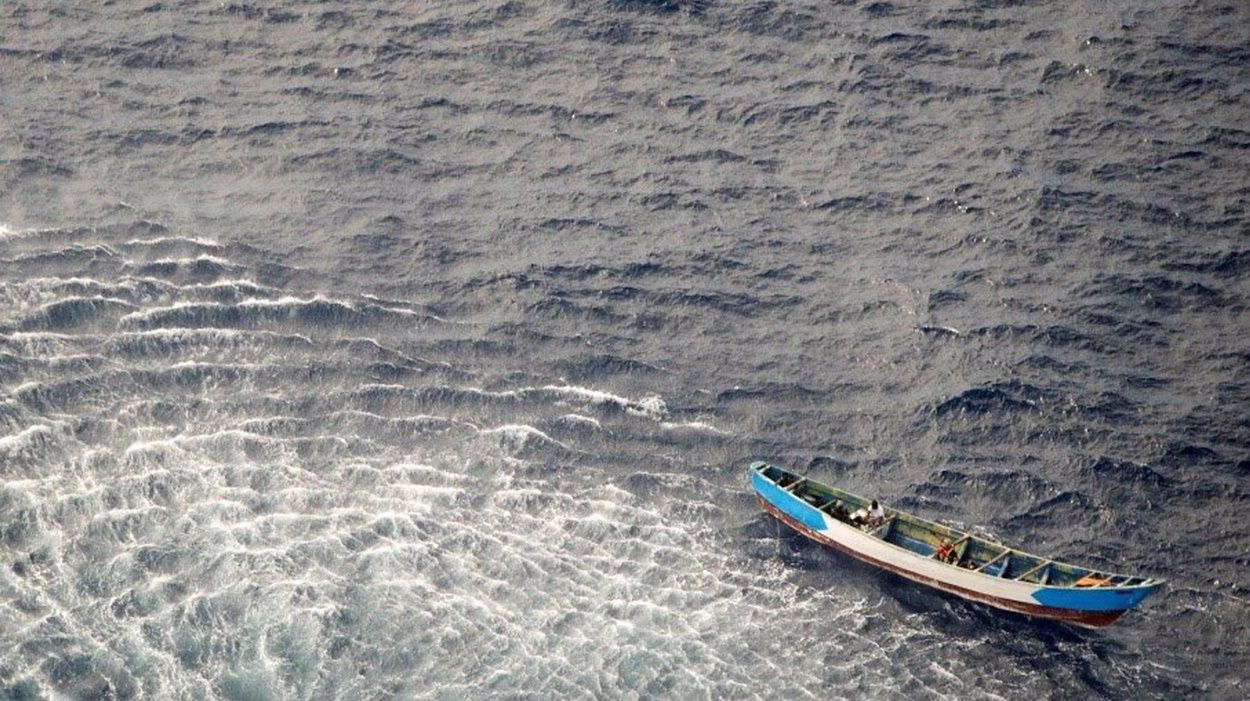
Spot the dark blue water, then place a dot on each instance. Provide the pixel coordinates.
(418, 351)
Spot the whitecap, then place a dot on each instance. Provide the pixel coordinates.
(578, 419)
(163, 240)
(651, 407)
(28, 439)
(693, 426)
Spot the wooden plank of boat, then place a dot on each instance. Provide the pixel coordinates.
(905, 543)
(961, 541)
(996, 558)
(827, 504)
(1040, 566)
(883, 530)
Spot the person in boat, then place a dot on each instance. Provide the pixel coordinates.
(946, 553)
(876, 514)
(859, 517)
(871, 517)
(840, 513)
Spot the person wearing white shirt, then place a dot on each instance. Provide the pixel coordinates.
(876, 514)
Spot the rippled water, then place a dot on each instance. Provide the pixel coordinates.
(417, 350)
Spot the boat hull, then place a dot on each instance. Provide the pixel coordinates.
(981, 570)
(1088, 619)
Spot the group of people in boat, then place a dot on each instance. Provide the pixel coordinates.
(868, 518)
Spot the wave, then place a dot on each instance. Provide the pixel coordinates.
(1069, 507)
(316, 312)
(531, 500)
(226, 446)
(250, 382)
(62, 395)
(37, 444)
(14, 367)
(577, 421)
(772, 390)
(938, 330)
(12, 417)
(693, 427)
(1057, 335)
(652, 407)
(173, 245)
(72, 260)
(169, 343)
(199, 267)
(602, 364)
(127, 525)
(1155, 291)
(354, 422)
(76, 312)
(393, 358)
(40, 343)
(523, 437)
(36, 290)
(1002, 397)
(406, 425)
(1143, 479)
(137, 291)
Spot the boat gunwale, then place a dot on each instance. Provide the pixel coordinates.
(1148, 583)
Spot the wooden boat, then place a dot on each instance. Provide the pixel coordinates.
(948, 559)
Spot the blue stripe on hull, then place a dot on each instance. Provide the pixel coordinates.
(787, 503)
(1092, 599)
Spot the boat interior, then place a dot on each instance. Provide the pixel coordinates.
(955, 548)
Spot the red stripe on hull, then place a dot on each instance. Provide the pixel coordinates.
(1089, 619)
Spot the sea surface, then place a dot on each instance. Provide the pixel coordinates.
(408, 350)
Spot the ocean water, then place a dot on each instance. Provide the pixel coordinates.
(418, 350)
